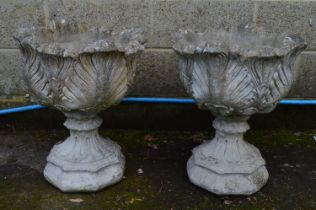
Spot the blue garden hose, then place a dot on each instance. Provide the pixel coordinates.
(154, 100)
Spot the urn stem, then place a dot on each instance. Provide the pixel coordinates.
(78, 122)
(232, 128)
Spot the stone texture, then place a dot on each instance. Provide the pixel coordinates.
(286, 16)
(11, 82)
(80, 73)
(234, 78)
(76, 70)
(18, 13)
(305, 84)
(157, 74)
(247, 184)
(110, 13)
(159, 18)
(169, 16)
(84, 161)
(227, 165)
(311, 35)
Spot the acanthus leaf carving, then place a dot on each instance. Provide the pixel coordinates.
(239, 86)
(71, 83)
(37, 79)
(236, 74)
(113, 77)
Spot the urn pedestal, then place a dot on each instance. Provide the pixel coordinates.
(80, 72)
(85, 161)
(234, 75)
(227, 164)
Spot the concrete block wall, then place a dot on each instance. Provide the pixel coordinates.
(157, 72)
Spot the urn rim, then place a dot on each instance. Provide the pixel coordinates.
(67, 39)
(245, 45)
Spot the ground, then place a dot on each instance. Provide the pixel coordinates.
(155, 177)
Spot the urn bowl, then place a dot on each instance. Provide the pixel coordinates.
(74, 68)
(237, 74)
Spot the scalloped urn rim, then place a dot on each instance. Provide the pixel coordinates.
(68, 39)
(247, 45)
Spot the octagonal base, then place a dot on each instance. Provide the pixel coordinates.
(85, 161)
(79, 181)
(71, 176)
(227, 184)
(228, 165)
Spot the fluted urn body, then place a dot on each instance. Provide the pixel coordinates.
(234, 75)
(80, 72)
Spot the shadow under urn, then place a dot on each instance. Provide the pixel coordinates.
(80, 72)
(235, 75)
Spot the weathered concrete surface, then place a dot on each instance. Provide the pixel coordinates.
(159, 18)
(157, 74)
(305, 85)
(110, 13)
(287, 16)
(17, 13)
(11, 82)
(169, 16)
(163, 184)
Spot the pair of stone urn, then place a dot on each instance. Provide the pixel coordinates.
(82, 72)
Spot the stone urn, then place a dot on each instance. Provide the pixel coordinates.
(234, 75)
(80, 72)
